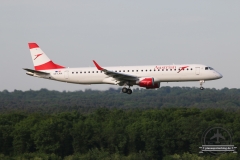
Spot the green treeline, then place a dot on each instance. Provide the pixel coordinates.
(169, 134)
(149, 124)
(46, 101)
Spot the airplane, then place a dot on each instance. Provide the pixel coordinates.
(217, 135)
(148, 77)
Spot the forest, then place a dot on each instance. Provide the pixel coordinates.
(149, 124)
(87, 101)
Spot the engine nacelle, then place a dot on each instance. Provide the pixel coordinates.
(156, 85)
(148, 83)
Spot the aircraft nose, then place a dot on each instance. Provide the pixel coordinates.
(219, 75)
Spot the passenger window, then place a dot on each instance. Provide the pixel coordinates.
(136, 70)
(142, 70)
(84, 71)
(72, 72)
(162, 69)
(146, 70)
(170, 69)
(132, 70)
(96, 71)
(80, 72)
(92, 71)
(88, 71)
(120, 71)
(166, 69)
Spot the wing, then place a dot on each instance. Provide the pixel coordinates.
(34, 71)
(116, 75)
(214, 136)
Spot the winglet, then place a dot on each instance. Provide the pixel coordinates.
(98, 67)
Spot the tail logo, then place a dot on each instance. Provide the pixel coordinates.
(37, 56)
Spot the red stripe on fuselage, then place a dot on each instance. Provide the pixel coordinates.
(48, 65)
(33, 45)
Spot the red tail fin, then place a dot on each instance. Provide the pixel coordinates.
(40, 59)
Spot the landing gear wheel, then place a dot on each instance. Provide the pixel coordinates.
(129, 91)
(201, 83)
(124, 90)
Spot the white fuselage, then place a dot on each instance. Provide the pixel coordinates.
(160, 73)
(148, 77)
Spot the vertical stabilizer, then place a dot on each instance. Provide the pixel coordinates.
(40, 59)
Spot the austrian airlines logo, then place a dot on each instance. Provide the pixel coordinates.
(37, 56)
(182, 68)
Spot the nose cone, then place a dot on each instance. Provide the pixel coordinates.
(219, 75)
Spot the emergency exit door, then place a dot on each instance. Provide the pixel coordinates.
(66, 74)
(197, 70)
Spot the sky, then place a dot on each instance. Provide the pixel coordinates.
(118, 33)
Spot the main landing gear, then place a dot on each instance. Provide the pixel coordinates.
(126, 90)
(201, 83)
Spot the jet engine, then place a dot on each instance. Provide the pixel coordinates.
(148, 83)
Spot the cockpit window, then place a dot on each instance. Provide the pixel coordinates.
(208, 68)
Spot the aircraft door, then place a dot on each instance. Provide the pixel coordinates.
(66, 74)
(197, 70)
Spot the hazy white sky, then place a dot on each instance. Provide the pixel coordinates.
(73, 33)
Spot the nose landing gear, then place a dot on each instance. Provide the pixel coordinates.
(201, 83)
(126, 90)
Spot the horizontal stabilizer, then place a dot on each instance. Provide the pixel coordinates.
(34, 71)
